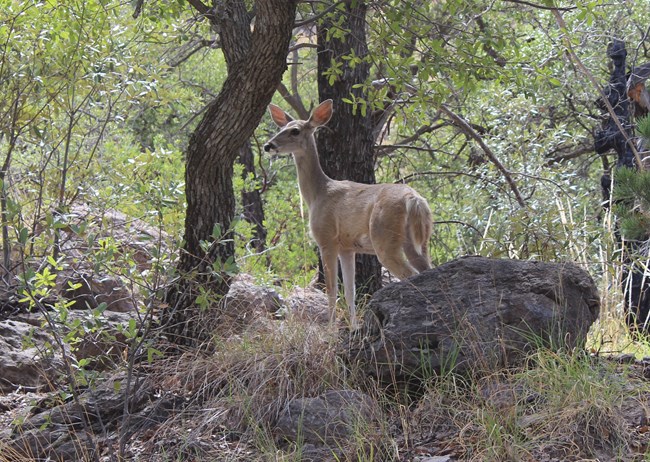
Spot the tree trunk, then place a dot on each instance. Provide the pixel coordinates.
(252, 200)
(345, 146)
(256, 61)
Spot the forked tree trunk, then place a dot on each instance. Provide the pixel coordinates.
(345, 145)
(256, 61)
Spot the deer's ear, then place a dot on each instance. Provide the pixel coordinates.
(321, 114)
(280, 117)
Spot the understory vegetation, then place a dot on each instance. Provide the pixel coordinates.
(96, 113)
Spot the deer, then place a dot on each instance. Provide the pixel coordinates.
(390, 220)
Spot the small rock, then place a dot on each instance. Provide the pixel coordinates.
(331, 419)
(34, 367)
(91, 290)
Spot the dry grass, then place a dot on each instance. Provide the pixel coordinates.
(563, 406)
(239, 389)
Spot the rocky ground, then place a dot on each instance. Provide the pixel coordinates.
(177, 438)
(279, 384)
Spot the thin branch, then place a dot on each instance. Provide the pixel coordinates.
(190, 49)
(317, 16)
(200, 7)
(570, 155)
(387, 149)
(469, 131)
(299, 46)
(137, 9)
(458, 222)
(542, 7)
(294, 101)
(415, 175)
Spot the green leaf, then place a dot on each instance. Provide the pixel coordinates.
(152, 352)
(23, 236)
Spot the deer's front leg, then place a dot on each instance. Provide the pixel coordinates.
(347, 268)
(329, 258)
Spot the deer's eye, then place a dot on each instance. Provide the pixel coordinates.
(294, 132)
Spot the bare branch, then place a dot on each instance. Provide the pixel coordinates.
(318, 16)
(458, 222)
(586, 149)
(498, 59)
(188, 50)
(137, 9)
(404, 143)
(293, 96)
(542, 7)
(199, 6)
(469, 131)
(294, 100)
(298, 46)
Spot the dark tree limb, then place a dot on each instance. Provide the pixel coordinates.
(542, 7)
(386, 149)
(292, 97)
(316, 17)
(469, 132)
(579, 151)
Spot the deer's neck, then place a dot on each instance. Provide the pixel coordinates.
(311, 178)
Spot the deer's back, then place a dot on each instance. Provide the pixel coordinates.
(341, 216)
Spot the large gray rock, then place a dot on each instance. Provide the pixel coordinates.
(473, 314)
(88, 291)
(245, 306)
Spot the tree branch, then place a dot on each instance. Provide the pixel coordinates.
(137, 9)
(469, 131)
(318, 16)
(387, 149)
(570, 155)
(294, 101)
(542, 7)
(199, 6)
(188, 50)
(298, 46)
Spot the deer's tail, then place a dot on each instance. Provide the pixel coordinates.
(419, 224)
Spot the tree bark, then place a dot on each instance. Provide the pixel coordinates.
(256, 61)
(252, 200)
(345, 146)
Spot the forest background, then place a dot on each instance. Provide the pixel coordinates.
(487, 108)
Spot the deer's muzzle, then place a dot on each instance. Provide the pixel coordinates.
(269, 147)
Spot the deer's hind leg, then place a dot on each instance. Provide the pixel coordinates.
(417, 258)
(388, 234)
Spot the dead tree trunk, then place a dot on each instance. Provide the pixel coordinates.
(636, 287)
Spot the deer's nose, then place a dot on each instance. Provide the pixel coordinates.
(269, 147)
